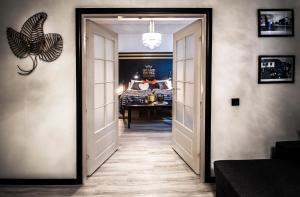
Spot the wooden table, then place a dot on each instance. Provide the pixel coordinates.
(151, 106)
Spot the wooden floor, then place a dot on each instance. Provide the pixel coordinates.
(144, 165)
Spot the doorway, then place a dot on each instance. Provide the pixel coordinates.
(182, 81)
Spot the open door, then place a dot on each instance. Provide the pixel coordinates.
(187, 94)
(101, 98)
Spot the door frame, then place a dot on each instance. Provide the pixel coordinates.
(81, 13)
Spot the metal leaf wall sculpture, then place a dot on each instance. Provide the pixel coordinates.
(33, 43)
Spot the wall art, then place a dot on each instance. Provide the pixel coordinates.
(148, 72)
(33, 43)
(276, 69)
(275, 22)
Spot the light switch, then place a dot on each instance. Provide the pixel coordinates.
(235, 102)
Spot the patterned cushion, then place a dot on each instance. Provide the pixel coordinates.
(143, 86)
(135, 86)
(162, 85)
(153, 86)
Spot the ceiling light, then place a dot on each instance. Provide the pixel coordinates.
(151, 39)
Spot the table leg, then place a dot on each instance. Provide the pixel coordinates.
(129, 117)
(148, 113)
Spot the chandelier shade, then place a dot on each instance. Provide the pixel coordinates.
(152, 39)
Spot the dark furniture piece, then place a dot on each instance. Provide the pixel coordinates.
(152, 106)
(137, 97)
(276, 177)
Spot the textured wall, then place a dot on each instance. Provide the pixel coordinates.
(268, 112)
(37, 114)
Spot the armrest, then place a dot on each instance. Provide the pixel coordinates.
(287, 150)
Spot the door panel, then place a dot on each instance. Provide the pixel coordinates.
(179, 70)
(186, 102)
(189, 67)
(179, 93)
(99, 95)
(102, 72)
(99, 71)
(98, 45)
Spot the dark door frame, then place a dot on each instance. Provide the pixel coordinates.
(79, 149)
(80, 12)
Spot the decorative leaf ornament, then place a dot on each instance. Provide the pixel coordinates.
(33, 43)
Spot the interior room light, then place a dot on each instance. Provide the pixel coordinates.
(151, 39)
(120, 89)
(136, 76)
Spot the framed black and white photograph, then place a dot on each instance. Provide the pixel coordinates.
(276, 69)
(275, 22)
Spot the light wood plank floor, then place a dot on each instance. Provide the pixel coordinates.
(145, 165)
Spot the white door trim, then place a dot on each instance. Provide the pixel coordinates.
(84, 17)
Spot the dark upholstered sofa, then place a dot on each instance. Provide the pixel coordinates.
(276, 177)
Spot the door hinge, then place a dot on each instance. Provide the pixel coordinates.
(87, 156)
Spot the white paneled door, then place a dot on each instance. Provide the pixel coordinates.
(102, 105)
(187, 95)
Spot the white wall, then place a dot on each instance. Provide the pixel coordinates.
(268, 112)
(37, 113)
(134, 43)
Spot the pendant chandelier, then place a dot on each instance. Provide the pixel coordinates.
(151, 39)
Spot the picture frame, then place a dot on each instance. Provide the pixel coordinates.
(275, 22)
(276, 69)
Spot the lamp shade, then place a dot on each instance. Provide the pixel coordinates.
(151, 40)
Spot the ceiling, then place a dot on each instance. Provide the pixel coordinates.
(139, 26)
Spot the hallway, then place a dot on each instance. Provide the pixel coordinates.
(144, 165)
